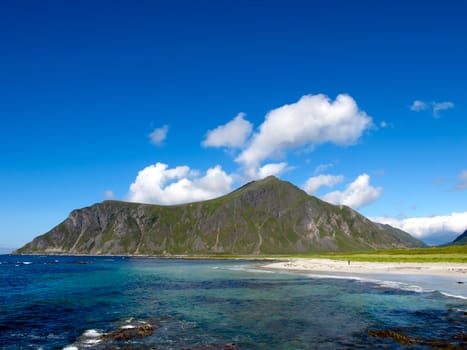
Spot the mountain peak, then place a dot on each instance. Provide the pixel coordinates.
(268, 216)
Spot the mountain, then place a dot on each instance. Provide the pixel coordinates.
(461, 239)
(4, 250)
(269, 216)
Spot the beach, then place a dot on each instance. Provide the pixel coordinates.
(458, 270)
(448, 278)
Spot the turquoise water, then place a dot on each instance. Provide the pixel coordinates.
(71, 302)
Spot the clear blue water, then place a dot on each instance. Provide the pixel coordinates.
(67, 302)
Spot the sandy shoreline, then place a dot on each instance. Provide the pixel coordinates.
(453, 270)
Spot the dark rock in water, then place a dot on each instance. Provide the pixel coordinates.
(143, 330)
(399, 337)
(458, 342)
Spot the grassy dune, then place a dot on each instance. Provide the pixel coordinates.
(454, 254)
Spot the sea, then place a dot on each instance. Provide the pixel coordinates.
(77, 302)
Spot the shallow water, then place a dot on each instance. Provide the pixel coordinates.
(71, 302)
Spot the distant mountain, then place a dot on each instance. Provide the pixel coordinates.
(461, 239)
(269, 216)
(4, 250)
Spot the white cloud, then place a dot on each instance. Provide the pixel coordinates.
(158, 135)
(233, 134)
(323, 167)
(271, 169)
(434, 107)
(434, 229)
(109, 194)
(313, 120)
(157, 184)
(418, 106)
(358, 194)
(441, 106)
(462, 181)
(313, 184)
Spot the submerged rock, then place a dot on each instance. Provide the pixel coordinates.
(388, 333)
(458, 342)
(143, 330)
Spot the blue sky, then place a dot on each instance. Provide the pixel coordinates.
(358, 102)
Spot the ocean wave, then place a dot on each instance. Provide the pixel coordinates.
(248, 269)
(92, 333)
(454, 296)
(90, 337)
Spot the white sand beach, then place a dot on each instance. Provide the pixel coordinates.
(455, 270)
(447, 278)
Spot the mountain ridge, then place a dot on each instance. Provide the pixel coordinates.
(460, 240)
(268, 216)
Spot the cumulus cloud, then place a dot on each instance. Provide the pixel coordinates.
(313, 184)
(270, 169)
(441, 106)
(357, 194)
(434, 107)
(312, 120)
(158, 135)
(434, 229)
(418, 106)
(233, 134)
(323, 167)
(462, 181)
(159, 184)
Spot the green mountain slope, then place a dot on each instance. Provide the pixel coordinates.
(461, 239)
(269, 216)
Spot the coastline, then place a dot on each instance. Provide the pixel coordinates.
(458, 270)
(449, 279)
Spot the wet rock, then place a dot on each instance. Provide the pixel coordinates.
(388, 333)
(458, 342)
(143, 330)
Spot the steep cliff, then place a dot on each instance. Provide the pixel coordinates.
(269, 216)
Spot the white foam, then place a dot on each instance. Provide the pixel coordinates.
(454, 296)
(129, 326)
(27, 262)
(70, 347)
(91, 341)
(340, 277)
(92, 333)
(249, 269)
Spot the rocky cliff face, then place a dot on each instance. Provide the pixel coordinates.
(264, 217)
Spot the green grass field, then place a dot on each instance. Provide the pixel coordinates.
(455, 254)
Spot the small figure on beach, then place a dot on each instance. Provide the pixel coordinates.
(348, 262)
